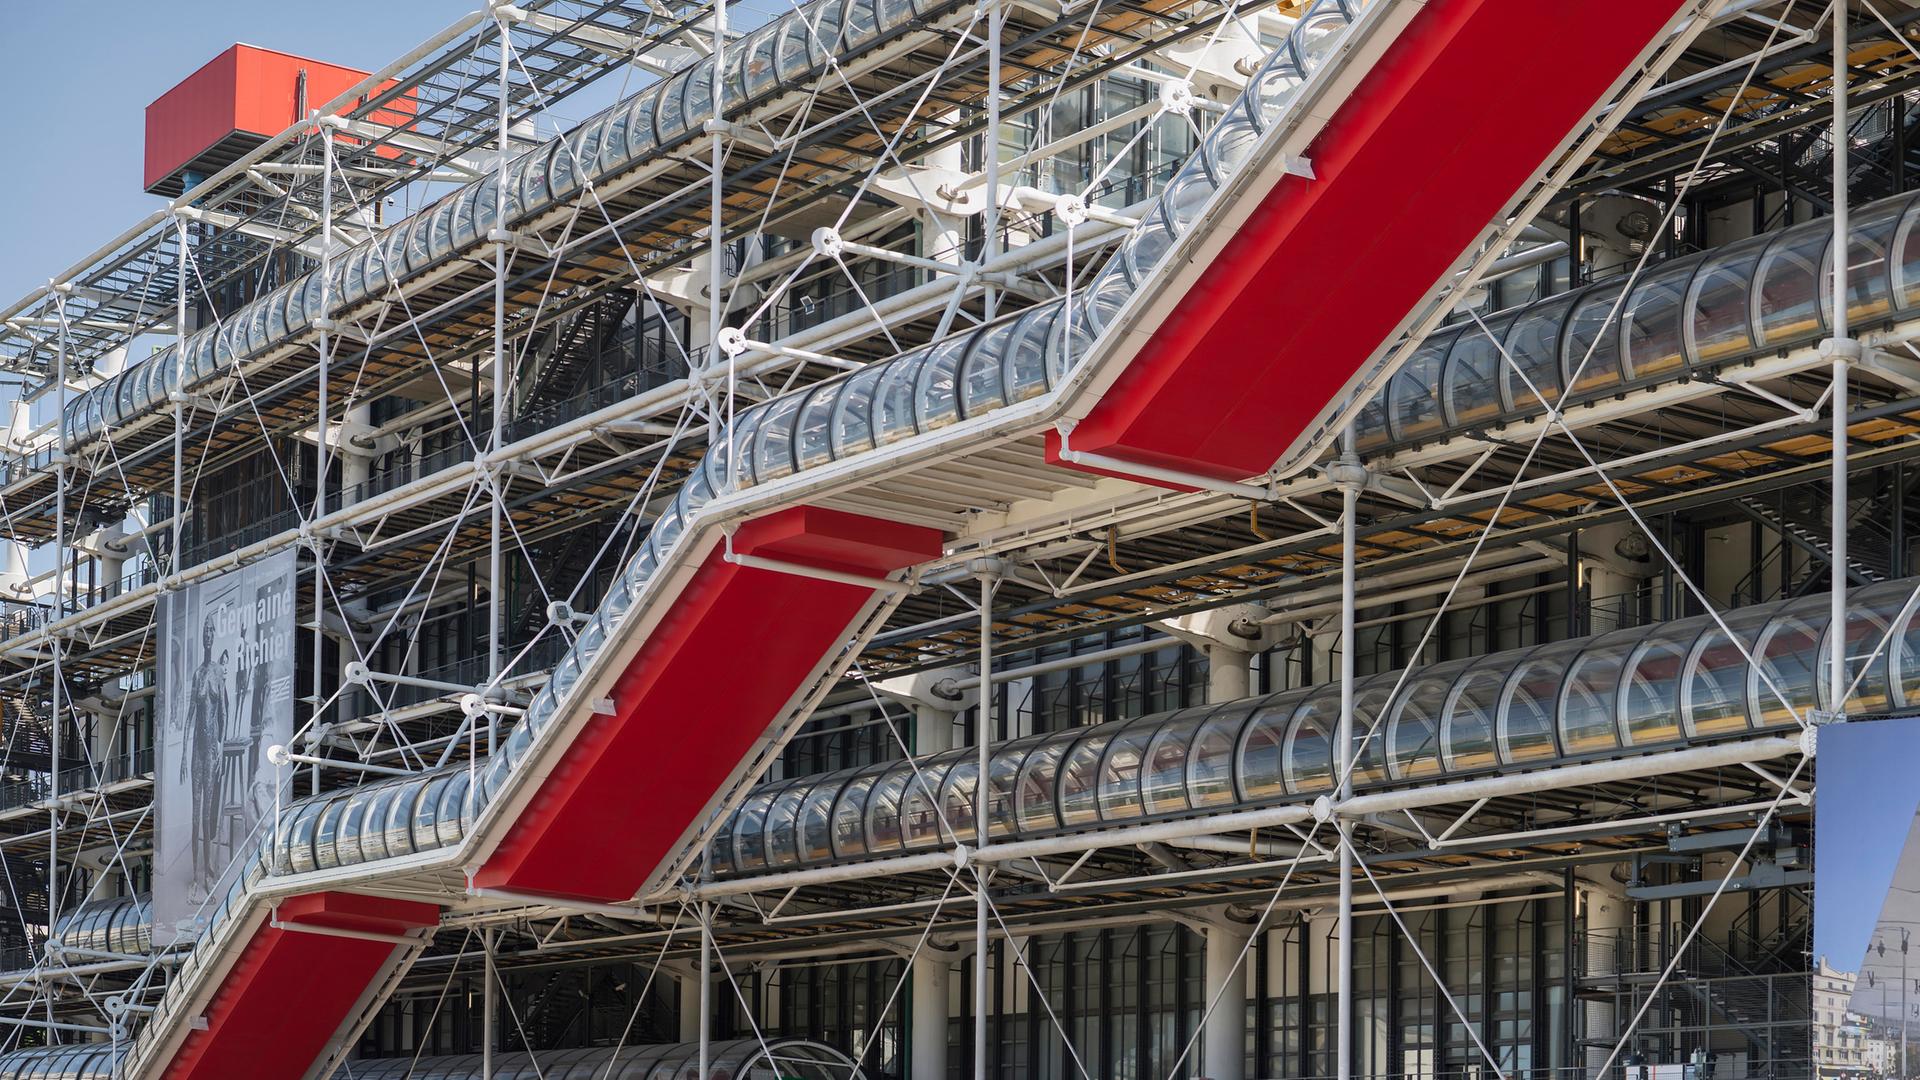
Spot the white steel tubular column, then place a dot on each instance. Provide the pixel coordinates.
(325, 347)
(706, 986)
(487, 992)
(496, 573)
(716, 256)
(57, 642)
(1224, 1044)
(1343, 763)
(927, 1045)
(179, 399)
(1843, 350)
(983, 740)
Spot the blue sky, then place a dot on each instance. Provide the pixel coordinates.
(78, 78)
(1869, 777)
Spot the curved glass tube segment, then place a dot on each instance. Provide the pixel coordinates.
(87, 1061)
(741, 1059)
(122, 925)
(1584, 699)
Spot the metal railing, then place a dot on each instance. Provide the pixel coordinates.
(38, 787)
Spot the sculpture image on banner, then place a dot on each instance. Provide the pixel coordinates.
(226, 695)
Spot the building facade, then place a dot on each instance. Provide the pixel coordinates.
(950, 539)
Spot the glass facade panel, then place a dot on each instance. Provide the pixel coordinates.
(1656, 319)
(1786, 306)
(1590, 348)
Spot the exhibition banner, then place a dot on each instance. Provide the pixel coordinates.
(225, 696)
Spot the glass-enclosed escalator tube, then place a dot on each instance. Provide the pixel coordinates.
(1660, 686)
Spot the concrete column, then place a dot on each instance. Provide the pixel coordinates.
(1230, 637)
(927, 1027)
(935, 698)
(356, 459)
(689, 991)
(932, 729)
(1223, 1045)
(945, 235)
(1606, 914)
(1229, 673)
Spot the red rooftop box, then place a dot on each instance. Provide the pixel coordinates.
(240, 99)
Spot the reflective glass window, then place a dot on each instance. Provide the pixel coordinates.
(981, 382)
(1786, 306)
(1003, 775)
(1655, 318)
(1210, 763)
(426, 815)
(325, 857)
(1080, 780)
(1716, 699)
(373, 838)
(1261, 758)
(1309, 750)
(1120, 795)
(1590, 348)
(1654, 679)
(1149, 241)
(1413, 732)
(1721, 303)
(816, 820)
(1276, 84)
(1470, 380)
(1870, 237)
(1536, 343)
(1526, 719)
(1025, 362)
(920, 806)
(957, 797)
(698, 107)
(773, 449)
(1789, 652)
(853, 412)
(1590, 707)
(813, 428)
(1413, 394)
(1870, 612)
(883, 810)
(1034, 798)
(1163, 771)
(749, 831)
(442, 236)
(784, 825)
(1906, 258)
(936, 399)
(893, 400)
(849, 816)
(670, 116)
(759, 52)
(795, 54)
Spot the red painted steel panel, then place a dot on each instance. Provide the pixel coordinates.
(1435, 141)
(289, 991)
(239, 98)
(711, 677)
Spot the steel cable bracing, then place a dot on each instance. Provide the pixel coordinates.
(655, 546)
(938, 385)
